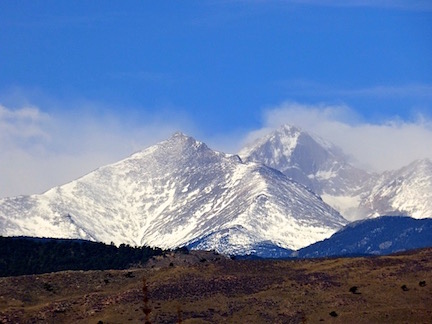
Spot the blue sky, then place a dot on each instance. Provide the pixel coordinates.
(84, 83)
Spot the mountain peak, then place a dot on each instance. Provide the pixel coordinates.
(288, 129)
(180, 142)
(273, 149)
(285, 135)
(180, 137)
(306, 159)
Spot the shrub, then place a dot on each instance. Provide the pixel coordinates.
(333, 314)
(354, 290)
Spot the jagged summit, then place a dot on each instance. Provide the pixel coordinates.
(306, 159)
(176, 143)
(179, 134)
(284, 132)
(179, 138)
(274, 149)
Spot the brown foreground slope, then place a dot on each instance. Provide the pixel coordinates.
(392, 289)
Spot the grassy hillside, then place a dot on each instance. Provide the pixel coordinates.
(207, 288)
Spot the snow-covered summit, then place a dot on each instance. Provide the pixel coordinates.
(307, 159)
(274, 149)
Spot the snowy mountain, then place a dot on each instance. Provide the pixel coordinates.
(355, 193)
(178, 192)
(316, 164)
(377, 236)
(407, 191)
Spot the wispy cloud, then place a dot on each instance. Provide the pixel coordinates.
(24, 125)
(41, 149)
(387, 145)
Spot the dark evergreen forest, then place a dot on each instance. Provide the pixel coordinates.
(27, 255)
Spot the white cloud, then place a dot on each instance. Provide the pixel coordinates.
(388, 145)
(40, 150)
(22, 124)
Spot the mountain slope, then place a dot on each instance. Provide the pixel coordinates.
(316, 164)
(377, 236)
(407, 191)
(173, 194)
(355, 193)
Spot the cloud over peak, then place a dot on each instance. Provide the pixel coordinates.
(385, 145)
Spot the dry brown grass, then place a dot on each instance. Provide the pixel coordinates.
(226, 291)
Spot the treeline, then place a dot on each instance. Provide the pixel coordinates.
(26, 255)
